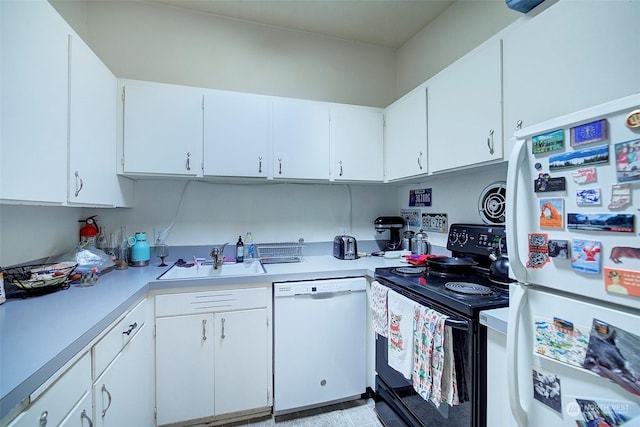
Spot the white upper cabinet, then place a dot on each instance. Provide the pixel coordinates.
(236, 134)
(465, 111)
(405, 136)
(572, 55)
(300, 139)
(92, 128)
(162, 129)
(357, 137)
(34, 96)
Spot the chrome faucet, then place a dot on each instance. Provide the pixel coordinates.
(217, 253)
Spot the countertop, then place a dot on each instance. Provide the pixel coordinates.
(39, 335)
(496, 319)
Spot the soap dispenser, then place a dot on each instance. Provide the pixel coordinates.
(239, 250)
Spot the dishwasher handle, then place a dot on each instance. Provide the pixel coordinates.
(321, 295)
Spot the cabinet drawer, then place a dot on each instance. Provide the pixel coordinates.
(111, 344)
(58, 400)
(208, 302)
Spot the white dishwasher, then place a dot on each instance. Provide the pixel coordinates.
(319, 342)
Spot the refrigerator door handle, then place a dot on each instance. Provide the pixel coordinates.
(517, 269)
(518, 300)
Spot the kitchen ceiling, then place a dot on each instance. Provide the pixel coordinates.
(387, 23)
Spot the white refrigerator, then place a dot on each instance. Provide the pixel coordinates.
(573, 339)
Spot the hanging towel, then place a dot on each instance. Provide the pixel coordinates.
(401, 311)
(422, 376)
(378, 304)
(449, 381)
(438, 356)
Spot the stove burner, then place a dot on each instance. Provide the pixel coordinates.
(468, 288)
(410, 271)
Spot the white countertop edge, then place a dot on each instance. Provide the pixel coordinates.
(496, 319)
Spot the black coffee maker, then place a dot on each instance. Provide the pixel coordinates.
(393, 224)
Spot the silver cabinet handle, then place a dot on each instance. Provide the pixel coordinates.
(78, 189)
(340, 167)
(131, 328)
(43, 419)
(519, 124)
(420, 160)
(260, 164)
(490, 142)
(188, 161)
(279, 165)
(104, 390)
(84, 415)
(223, 335)
(204, 330)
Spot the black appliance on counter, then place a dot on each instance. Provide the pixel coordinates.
(459, 289)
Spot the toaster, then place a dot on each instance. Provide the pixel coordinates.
(345, 247)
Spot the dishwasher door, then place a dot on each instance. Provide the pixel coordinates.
(319, 343)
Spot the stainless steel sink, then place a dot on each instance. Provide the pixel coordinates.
(207, 270)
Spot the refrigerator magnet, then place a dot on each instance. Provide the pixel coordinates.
(588, 133)
(551, 213)
(584, 176)
(620, 196)
(544, 183)
(559, 248)
(580, 158)
(546, 142)
(588, 197)
(538, 250)
(546, 389)
(553, 340)
(628, 160)
(624, 282)
(619, 223)
(585, 256)
(633, 120)
(618, 252)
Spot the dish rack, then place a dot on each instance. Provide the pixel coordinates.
(272, 253)
(40, 278)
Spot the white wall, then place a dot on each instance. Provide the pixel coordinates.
(460, 29)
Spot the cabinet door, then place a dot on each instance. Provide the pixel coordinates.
(241, 360)
(571, 56)
(465, 111)
(81, 415)
(92, 131)
(34, 83)
(357, 136)
(184, 368)
(405, 136)
(162, 129)
(300, 139)
(236, 132)
(124, 392)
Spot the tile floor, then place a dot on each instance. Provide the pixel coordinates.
(357, 413)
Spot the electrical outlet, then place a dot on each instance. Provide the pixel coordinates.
(158, 235)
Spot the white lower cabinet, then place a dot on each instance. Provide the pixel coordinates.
(213, 354)
(81, 415)
(123, 372)
(60, 400)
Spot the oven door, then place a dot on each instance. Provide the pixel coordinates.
(396, 399)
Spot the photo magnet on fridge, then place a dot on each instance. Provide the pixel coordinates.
(559, 248)
(585, 256)
(588, 197)
(549, 141)
(613, 354)
(551, 213)
(623, 282)
(546, 389)
(619, 223)
(594, 411)
(538, 250)
(580, 158)
(555, 341)
(584, 176)
(628, 160)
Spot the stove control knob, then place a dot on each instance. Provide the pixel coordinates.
(463, 238)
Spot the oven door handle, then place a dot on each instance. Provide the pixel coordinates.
(463, 325)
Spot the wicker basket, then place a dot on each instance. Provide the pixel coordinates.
(272, 253)
(39, 276)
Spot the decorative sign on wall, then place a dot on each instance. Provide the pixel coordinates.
(435, 222)
(420, 198)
